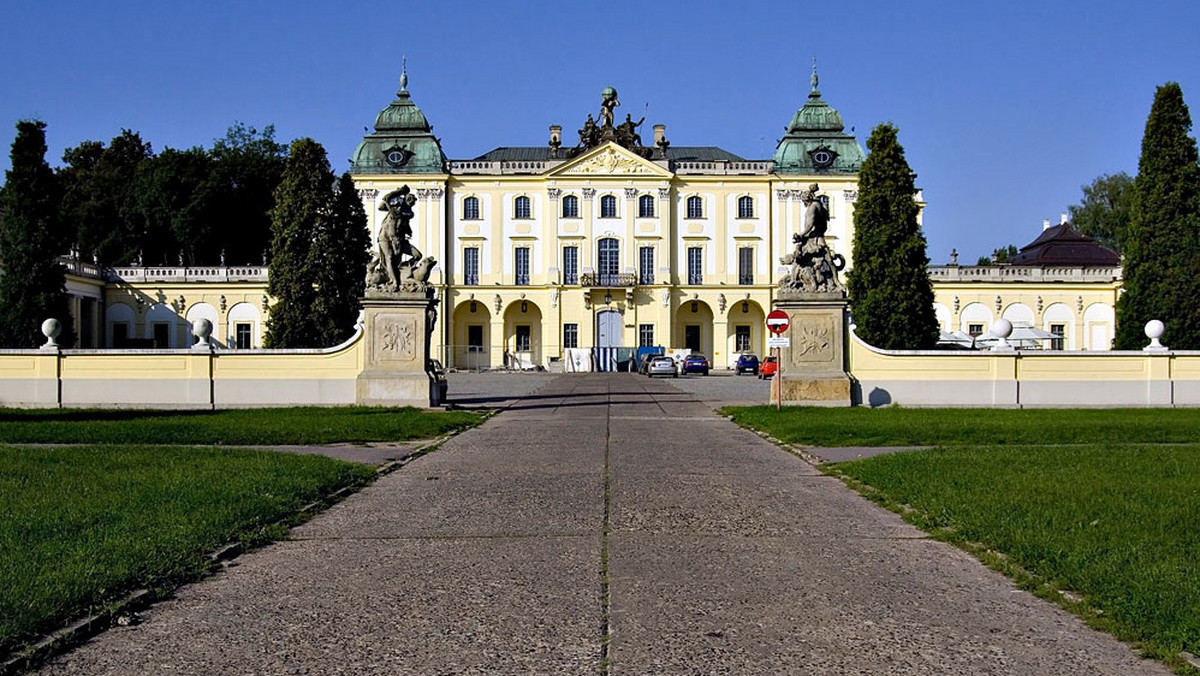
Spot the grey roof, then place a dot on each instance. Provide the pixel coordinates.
(674, 153)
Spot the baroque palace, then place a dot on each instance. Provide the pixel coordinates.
(608, 240)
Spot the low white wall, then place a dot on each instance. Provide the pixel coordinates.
(1022, 378)
(181, 378)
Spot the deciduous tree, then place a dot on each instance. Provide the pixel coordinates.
(1104, 212)
(890, 292)
(33, 286)
(176, 200)
(98, 197)
(1162, 248)
(248, 165)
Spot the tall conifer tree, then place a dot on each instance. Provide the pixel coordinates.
(341, 260)
(891, 296)
(301, 202)
(1162, 246)
(33, 286)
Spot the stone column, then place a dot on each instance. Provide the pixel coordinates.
(396, 370)
(814, 366)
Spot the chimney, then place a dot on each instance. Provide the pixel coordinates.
(1062, 218)
(1045, 224)
(660, 134)
(555, 135)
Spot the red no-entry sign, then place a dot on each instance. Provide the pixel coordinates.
(777, 321)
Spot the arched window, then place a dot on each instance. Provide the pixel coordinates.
(608, 259)
(695, 207)
(521, 208)
(646, 206)
(608, 207)
(746, 207)
(471, 209)
(570, 206)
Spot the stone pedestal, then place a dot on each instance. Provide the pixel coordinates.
(397, 369)
(814, 367)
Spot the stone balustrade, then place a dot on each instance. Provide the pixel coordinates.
(1020, 273)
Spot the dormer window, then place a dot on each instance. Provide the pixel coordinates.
(521, 208)
(823, 158)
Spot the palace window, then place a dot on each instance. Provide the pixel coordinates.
(521, 264)
(645, 335)
(521, 208)
(241, 333)
(161, 331)
(646, 206)
(570, 335)
(471, 267)
(1060, 332)
(745, 265)
(570, 207)
(741, 338)
(695, 265)
(975, 330)
(646, 265)
(608, 262)
(523, 337)
(695, 207)
(570, 265)
(608, 207)
(746, 207)
(471, 209)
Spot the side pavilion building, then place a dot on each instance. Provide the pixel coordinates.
(610, 242)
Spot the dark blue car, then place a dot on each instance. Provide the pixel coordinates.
(696, 363)
(746, 363)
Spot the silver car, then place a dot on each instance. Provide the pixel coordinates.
(662, 366)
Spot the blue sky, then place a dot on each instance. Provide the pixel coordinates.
(1004, 109)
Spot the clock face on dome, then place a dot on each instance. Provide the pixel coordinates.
(823, 158)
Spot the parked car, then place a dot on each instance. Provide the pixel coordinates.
(769, 367)
(696, 363)
(746, 362)
(659, 365)
(644, 364)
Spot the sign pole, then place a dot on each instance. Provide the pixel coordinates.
(779, 377)
(777, 323)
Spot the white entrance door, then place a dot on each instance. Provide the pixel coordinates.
(608, 328)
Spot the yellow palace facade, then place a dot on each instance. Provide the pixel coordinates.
(611, 242)
(608, 240)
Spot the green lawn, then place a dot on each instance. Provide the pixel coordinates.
(895, 426)
(81, 526)
(230, 427)
(1102, 503)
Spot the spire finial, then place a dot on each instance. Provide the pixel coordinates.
(813, 79)
(403, 75)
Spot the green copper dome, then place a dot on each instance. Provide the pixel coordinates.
(816, 115)
(403, 141)
(815, 141)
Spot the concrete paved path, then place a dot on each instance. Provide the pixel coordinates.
(606, 524)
